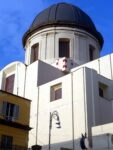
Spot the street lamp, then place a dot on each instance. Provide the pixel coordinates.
(53, 115)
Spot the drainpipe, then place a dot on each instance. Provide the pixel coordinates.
(85, 106)
(72, 110)
(37, 116)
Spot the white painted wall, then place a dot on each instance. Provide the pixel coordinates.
(80, 107)
(63, 106)
(103, 137)
(89, 109)
(86, 108)
(103, 65)
(48, 40)
(18, 69)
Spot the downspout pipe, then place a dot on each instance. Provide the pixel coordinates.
(73, 138)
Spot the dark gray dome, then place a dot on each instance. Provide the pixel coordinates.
(63, 14)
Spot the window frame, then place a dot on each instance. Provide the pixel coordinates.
(10, 111)
(103, 90)
(60, 52)
(91, 52)
(34, 53)
(53, 95)
(9, 83)
(5, 140)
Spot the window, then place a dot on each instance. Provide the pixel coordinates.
(103, 90)
(64, 48)
(6, 142)
(10, 111)
(34, 52)
(9, 85)
(91, 52)
(56, 92)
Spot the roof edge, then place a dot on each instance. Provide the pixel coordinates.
(95, 33)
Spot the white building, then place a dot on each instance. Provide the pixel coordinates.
(63, 72)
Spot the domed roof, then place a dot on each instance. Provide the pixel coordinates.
(63, 14)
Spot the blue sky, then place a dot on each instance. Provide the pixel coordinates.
(17, 15)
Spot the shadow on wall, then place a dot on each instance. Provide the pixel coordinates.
(100, 142)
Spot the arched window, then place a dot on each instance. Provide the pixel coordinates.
(34, 52)
(64, 47)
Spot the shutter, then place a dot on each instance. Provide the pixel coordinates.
(4, 108)
(16, 112)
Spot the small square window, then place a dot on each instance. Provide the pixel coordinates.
(103, 90)
(56, 92)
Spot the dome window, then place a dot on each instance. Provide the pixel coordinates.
(64, 48)
(91, 52)
(34, 52)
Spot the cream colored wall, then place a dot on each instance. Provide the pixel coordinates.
(31, 92)
(84, 94)
(48, 40)
(18, 69)
(103, 137)
(20, 137)
(36, 74)
(24, 107)
(64, 107)
(86, 105)
(103, 65)
(105, 70)
(72, 94)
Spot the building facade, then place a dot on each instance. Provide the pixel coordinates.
(66, 80)
(14, 122)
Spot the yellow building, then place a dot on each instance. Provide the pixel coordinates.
(14, 121)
